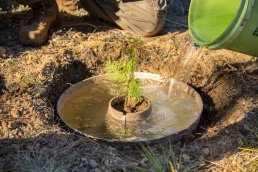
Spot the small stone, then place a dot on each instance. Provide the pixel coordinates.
(118, 164)
(19, 133)
(111, 149)
(2, 51)
(240, 142)
(118, 161)
(24, 112)
(206, 151)
(144, 162)
(93, 163)
(186, 158)
(97, 170)
(83, 159)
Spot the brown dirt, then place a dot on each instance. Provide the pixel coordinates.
(130, 106)
(32, 78)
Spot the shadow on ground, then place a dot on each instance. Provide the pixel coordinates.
(64, 76)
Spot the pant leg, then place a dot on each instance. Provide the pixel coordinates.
(143, 17)
(101, 8)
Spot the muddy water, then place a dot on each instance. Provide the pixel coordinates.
(85, 109)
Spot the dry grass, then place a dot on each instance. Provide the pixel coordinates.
(243, 161)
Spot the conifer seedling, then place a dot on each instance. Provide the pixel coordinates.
(127, 85)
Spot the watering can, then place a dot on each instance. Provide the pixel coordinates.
(229, 24)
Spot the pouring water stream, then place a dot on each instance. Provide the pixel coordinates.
(182, 70)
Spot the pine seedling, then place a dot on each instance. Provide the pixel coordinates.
(123, 74)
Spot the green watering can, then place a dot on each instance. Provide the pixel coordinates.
(229, 24)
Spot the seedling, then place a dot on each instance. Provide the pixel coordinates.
(123, 75)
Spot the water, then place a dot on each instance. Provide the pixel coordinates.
(182, 69)
(85, 109)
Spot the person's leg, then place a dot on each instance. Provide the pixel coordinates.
(143, 17)
(45, 17)
(146, 17)
(101, 9)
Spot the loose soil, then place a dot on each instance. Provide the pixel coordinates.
(131, 106)
(32, 79)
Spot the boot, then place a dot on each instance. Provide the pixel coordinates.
(45, 17)
(67, 5)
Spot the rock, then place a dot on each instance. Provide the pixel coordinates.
(20, 133)
(97, 170)
(143, 162)
(186, 158)
(206, 151)
(2, 52)
(84, 159)
(118, 161)
(93, 163)
(240, 142)
(118, 164)
(24, 112)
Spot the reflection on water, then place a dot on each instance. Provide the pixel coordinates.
(85, 110)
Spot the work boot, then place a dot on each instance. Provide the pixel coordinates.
(45, 17)
(67, 5)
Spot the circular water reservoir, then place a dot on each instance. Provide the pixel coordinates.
(176, 110)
